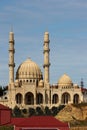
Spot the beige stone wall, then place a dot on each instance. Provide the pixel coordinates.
(78, 128)
(14, 90)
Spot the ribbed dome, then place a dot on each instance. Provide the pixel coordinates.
(65, 80)
(28, 70)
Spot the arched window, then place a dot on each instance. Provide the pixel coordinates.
(30, 80)
(19, 98)
(76, 99)
(27, 81)
(20, 83)
(36, 82)
(29, 98)
(39, 98)
(33, 80)
(65, 98)
(55, 99)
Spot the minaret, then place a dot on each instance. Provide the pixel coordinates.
(11, 57)
(46, 57)
(82, 83)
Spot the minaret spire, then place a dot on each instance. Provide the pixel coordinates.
(46, 57)
(82, 83)
(11, 28)
(11, 56)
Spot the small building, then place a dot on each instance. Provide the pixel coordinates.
(84, 93)
(39, 123)
(30, 123)
(5, 115)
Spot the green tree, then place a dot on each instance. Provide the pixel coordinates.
(24, 111)
(39, 111)
(1, 91)
(6, 128)
(17, 112)
(61, 107)
(32, 112)
(54, 111)
(47, 111)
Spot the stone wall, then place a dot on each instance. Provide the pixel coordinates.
(78, 128)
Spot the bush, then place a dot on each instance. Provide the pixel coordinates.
(24, 111)
(54, 111)
(47, 111)
(1, 91)
(32, 112)
(17, 111)
(6, 128)
(61, 107)
(39, 111)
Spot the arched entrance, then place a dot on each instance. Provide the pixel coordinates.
(29, 98)
(39, 98)
(76, 99)
(19, 98)
(65, 98)
(55, 99)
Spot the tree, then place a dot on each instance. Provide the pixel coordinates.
(32, 112)
(47, 111)
(24, 111)
(39, 111)
(17, 112)
(1, 91)
(61, 107)
(54, 111)
(6, 128)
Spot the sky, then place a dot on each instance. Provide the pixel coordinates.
(66, 22)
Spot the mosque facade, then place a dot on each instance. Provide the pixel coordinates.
(31, 89)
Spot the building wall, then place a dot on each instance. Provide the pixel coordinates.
(29, 95)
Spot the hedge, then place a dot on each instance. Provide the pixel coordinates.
(6, 128)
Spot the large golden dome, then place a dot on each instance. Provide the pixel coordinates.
(28, 70)
(65, 81)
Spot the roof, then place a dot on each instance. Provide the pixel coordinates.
(65, 80)
(2, 107)
(38, 121)
(84, 89)
(28, 70)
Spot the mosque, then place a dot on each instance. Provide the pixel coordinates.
(31, 89)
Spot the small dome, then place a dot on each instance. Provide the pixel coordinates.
(64, 81)
(28, 70)
(41, 83)
(76, 86)
(16, 82)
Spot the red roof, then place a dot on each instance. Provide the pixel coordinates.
(38, 121)
(2, 107)
(84, 89)
(5, 115)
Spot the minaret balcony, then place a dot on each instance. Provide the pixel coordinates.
(46, 65)
(11, 64)
(46, 41)
(46, 50)
(12, 41)
(12, 50)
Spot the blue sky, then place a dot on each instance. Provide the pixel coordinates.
(66, 22)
